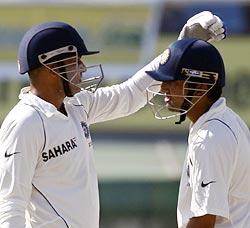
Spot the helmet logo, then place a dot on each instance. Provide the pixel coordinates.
(85, 129)
(165, 56)
(201, 74)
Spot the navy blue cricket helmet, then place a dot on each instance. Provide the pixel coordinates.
(44, 38)
(192, 54)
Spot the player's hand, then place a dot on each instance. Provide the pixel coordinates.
(205, 26)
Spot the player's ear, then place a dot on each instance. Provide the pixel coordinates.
(50, 71)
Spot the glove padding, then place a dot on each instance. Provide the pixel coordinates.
(205, 26)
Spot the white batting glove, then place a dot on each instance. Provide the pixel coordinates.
(205, 26)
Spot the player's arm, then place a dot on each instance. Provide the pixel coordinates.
(205, 221)
(20, 143)
(128, 97)
(118, 100)
(211, 173)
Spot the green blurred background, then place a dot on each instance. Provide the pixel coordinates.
(138, 158)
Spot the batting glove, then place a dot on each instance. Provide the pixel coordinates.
(205, 26)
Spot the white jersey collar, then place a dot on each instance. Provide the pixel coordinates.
(30, 99)
(217, 107)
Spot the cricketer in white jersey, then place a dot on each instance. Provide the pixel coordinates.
(216, 174)
(46, 165)
(47, 161)
(215, 184)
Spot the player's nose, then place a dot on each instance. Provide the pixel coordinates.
(82, 67)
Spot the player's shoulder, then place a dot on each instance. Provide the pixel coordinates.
(215, 137)
(21, 115)
(221, 129)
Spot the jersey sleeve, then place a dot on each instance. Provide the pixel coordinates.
(212, 161)
(20, 142)
(118, 100)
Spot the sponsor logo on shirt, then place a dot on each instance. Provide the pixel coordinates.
(203, 185)
(85, 129)
(7, 155)
(59, 150)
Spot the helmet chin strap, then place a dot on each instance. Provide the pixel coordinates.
(185, 105)
(182, 119)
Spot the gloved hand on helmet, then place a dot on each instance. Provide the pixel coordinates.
(205, 26)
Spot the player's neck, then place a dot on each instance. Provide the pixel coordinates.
(199, 109)
(54, 97)
(48, 87)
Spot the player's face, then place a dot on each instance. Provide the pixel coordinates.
(173, 91)
(75, 69)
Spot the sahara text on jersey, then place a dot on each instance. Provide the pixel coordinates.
(60, 149)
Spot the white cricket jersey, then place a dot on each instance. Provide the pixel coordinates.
(46, 158)
(216, 173)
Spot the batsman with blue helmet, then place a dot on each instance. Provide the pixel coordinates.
(46, 150)
(214, 189)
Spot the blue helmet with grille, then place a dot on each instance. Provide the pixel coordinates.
(44, 38)
(190, 56)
